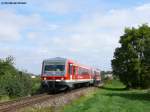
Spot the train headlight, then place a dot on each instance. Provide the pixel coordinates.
(44, 78)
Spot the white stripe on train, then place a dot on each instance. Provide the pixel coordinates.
(78, 80)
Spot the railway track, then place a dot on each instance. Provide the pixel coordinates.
(22, 102)
(12, 106)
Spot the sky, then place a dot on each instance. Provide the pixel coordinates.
(87, 31)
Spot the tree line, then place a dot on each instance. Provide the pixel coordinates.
(131, 62)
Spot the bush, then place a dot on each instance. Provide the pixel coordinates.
(12, 82)
(36, 85)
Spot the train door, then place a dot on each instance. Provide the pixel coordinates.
(75, 72)
(70, 71)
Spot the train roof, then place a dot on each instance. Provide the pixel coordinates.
(69, 60)
(56, 59)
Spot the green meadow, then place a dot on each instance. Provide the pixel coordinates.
(113, 97)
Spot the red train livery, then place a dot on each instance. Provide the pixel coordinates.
(60, 73)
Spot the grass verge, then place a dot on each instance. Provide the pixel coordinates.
(112, 98)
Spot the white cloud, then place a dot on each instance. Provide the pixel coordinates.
(12, 25)
(9, 26)
(144, 7)
(96, 36)
(62, 7)
(53, 6)
(92, 40)
(58, 7)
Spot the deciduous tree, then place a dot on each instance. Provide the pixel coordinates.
(132, 59)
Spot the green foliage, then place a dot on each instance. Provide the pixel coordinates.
(12, 82)
(112, 98)
(114, 84)
(36, 85)
(131, 61)
(103, 73)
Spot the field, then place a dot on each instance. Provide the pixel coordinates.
(112, 98)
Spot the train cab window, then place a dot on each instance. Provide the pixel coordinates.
(54, 68)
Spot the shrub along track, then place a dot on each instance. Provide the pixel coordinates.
(43, 99)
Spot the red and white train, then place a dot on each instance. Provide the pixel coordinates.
(60, 74)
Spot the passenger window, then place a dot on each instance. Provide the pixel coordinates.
(74, 70)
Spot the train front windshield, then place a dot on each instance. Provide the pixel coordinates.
(54, 67)
(54, 70)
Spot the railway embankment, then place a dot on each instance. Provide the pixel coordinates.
(54, 101)
(58, 101)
